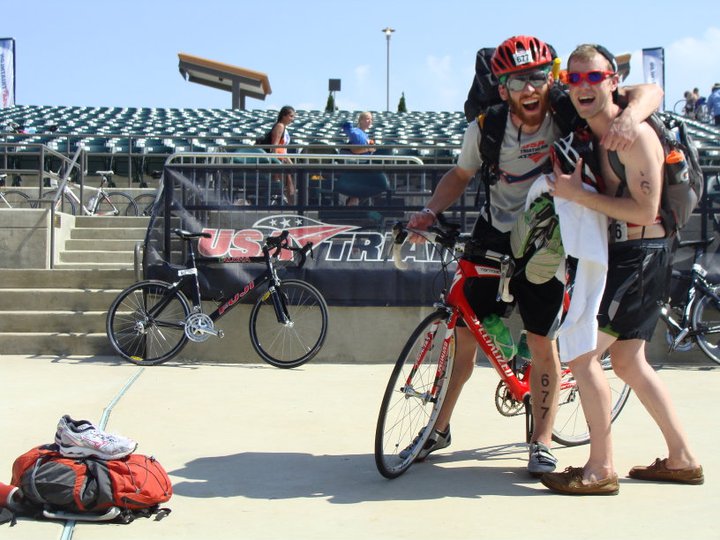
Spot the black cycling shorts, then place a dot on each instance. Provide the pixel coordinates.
(637, 281)
(540, 306)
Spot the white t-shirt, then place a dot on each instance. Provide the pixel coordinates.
(522, 159)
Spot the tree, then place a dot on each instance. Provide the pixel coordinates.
(402, 107)
(330, 106)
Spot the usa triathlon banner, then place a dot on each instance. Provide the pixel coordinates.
(654, 66)
(7, 72)
(352, 266)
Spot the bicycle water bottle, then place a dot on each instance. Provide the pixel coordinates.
(523, 351)
(500, 335)
(677, 168)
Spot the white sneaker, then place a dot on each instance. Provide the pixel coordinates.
(540, 459)
(436, 441)
(80, 438)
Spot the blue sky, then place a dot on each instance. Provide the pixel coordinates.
(100, 53)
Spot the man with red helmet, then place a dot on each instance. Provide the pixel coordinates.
(522, 65)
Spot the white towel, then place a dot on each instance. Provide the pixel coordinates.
(584, 236)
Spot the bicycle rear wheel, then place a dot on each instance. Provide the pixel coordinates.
(146, 322)
(706, 322)
(66, 204)
(116, 203)
(413, 397)
(290, 344)
(570, 427)
(15, 199)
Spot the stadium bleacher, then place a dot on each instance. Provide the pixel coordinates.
(138, 139)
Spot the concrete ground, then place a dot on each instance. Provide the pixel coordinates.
(256, 452)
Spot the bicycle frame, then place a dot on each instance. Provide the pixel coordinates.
(269, 275)
(519, 389)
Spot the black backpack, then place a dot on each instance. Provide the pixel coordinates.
(682, 187)
(266, 139)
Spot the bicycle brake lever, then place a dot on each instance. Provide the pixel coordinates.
(399, 235)
(507, 267)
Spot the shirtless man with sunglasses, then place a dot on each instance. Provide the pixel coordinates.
(522, 65)
(638, 269)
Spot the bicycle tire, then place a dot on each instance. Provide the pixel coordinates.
(705, 314)
(106, 206)
(15, 199)
(570, 427)
(289, 345)
(144, 203)
(406, 420)
(140, 337)
(67, 202)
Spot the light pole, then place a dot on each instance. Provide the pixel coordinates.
(388, 32)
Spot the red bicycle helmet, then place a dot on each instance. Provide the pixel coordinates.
(520, 53)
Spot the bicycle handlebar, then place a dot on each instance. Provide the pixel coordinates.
(280, 242)
(448, 235)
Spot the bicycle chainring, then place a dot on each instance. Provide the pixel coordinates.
(684, 346)
(199, 327)
(505, 403)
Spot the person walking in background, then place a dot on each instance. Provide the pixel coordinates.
(522, 65)
(280, 137)
(690, 99)
(360, 141)
(713, 103)
(357, 135)
(638, 269)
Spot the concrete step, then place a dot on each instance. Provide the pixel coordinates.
(40, 279)
(105, 222)
(127, 233)
(88, 244)
(95, 266)
(53, 321)
(55, 343)
(65, 299)
(87, 256)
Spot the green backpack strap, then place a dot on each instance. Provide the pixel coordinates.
(619, 169)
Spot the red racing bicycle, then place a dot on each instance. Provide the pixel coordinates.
(415, 392)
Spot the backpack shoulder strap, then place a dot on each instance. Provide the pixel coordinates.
(492, 130)
(617, 167)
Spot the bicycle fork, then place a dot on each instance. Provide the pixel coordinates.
(279, 305)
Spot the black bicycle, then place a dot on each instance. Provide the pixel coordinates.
(151, 321)
(696, 306)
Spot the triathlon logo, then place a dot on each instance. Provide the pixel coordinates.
(234, 244)
(537, 151)
(331, 242)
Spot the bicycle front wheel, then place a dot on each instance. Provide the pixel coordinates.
(116, 203)
(413, 396)
(144, 203)
(706, 322)
(146, 322)
(570, 427)
(293, 342)
(15, 199)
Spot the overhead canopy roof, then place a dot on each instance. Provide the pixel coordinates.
(240, 81)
